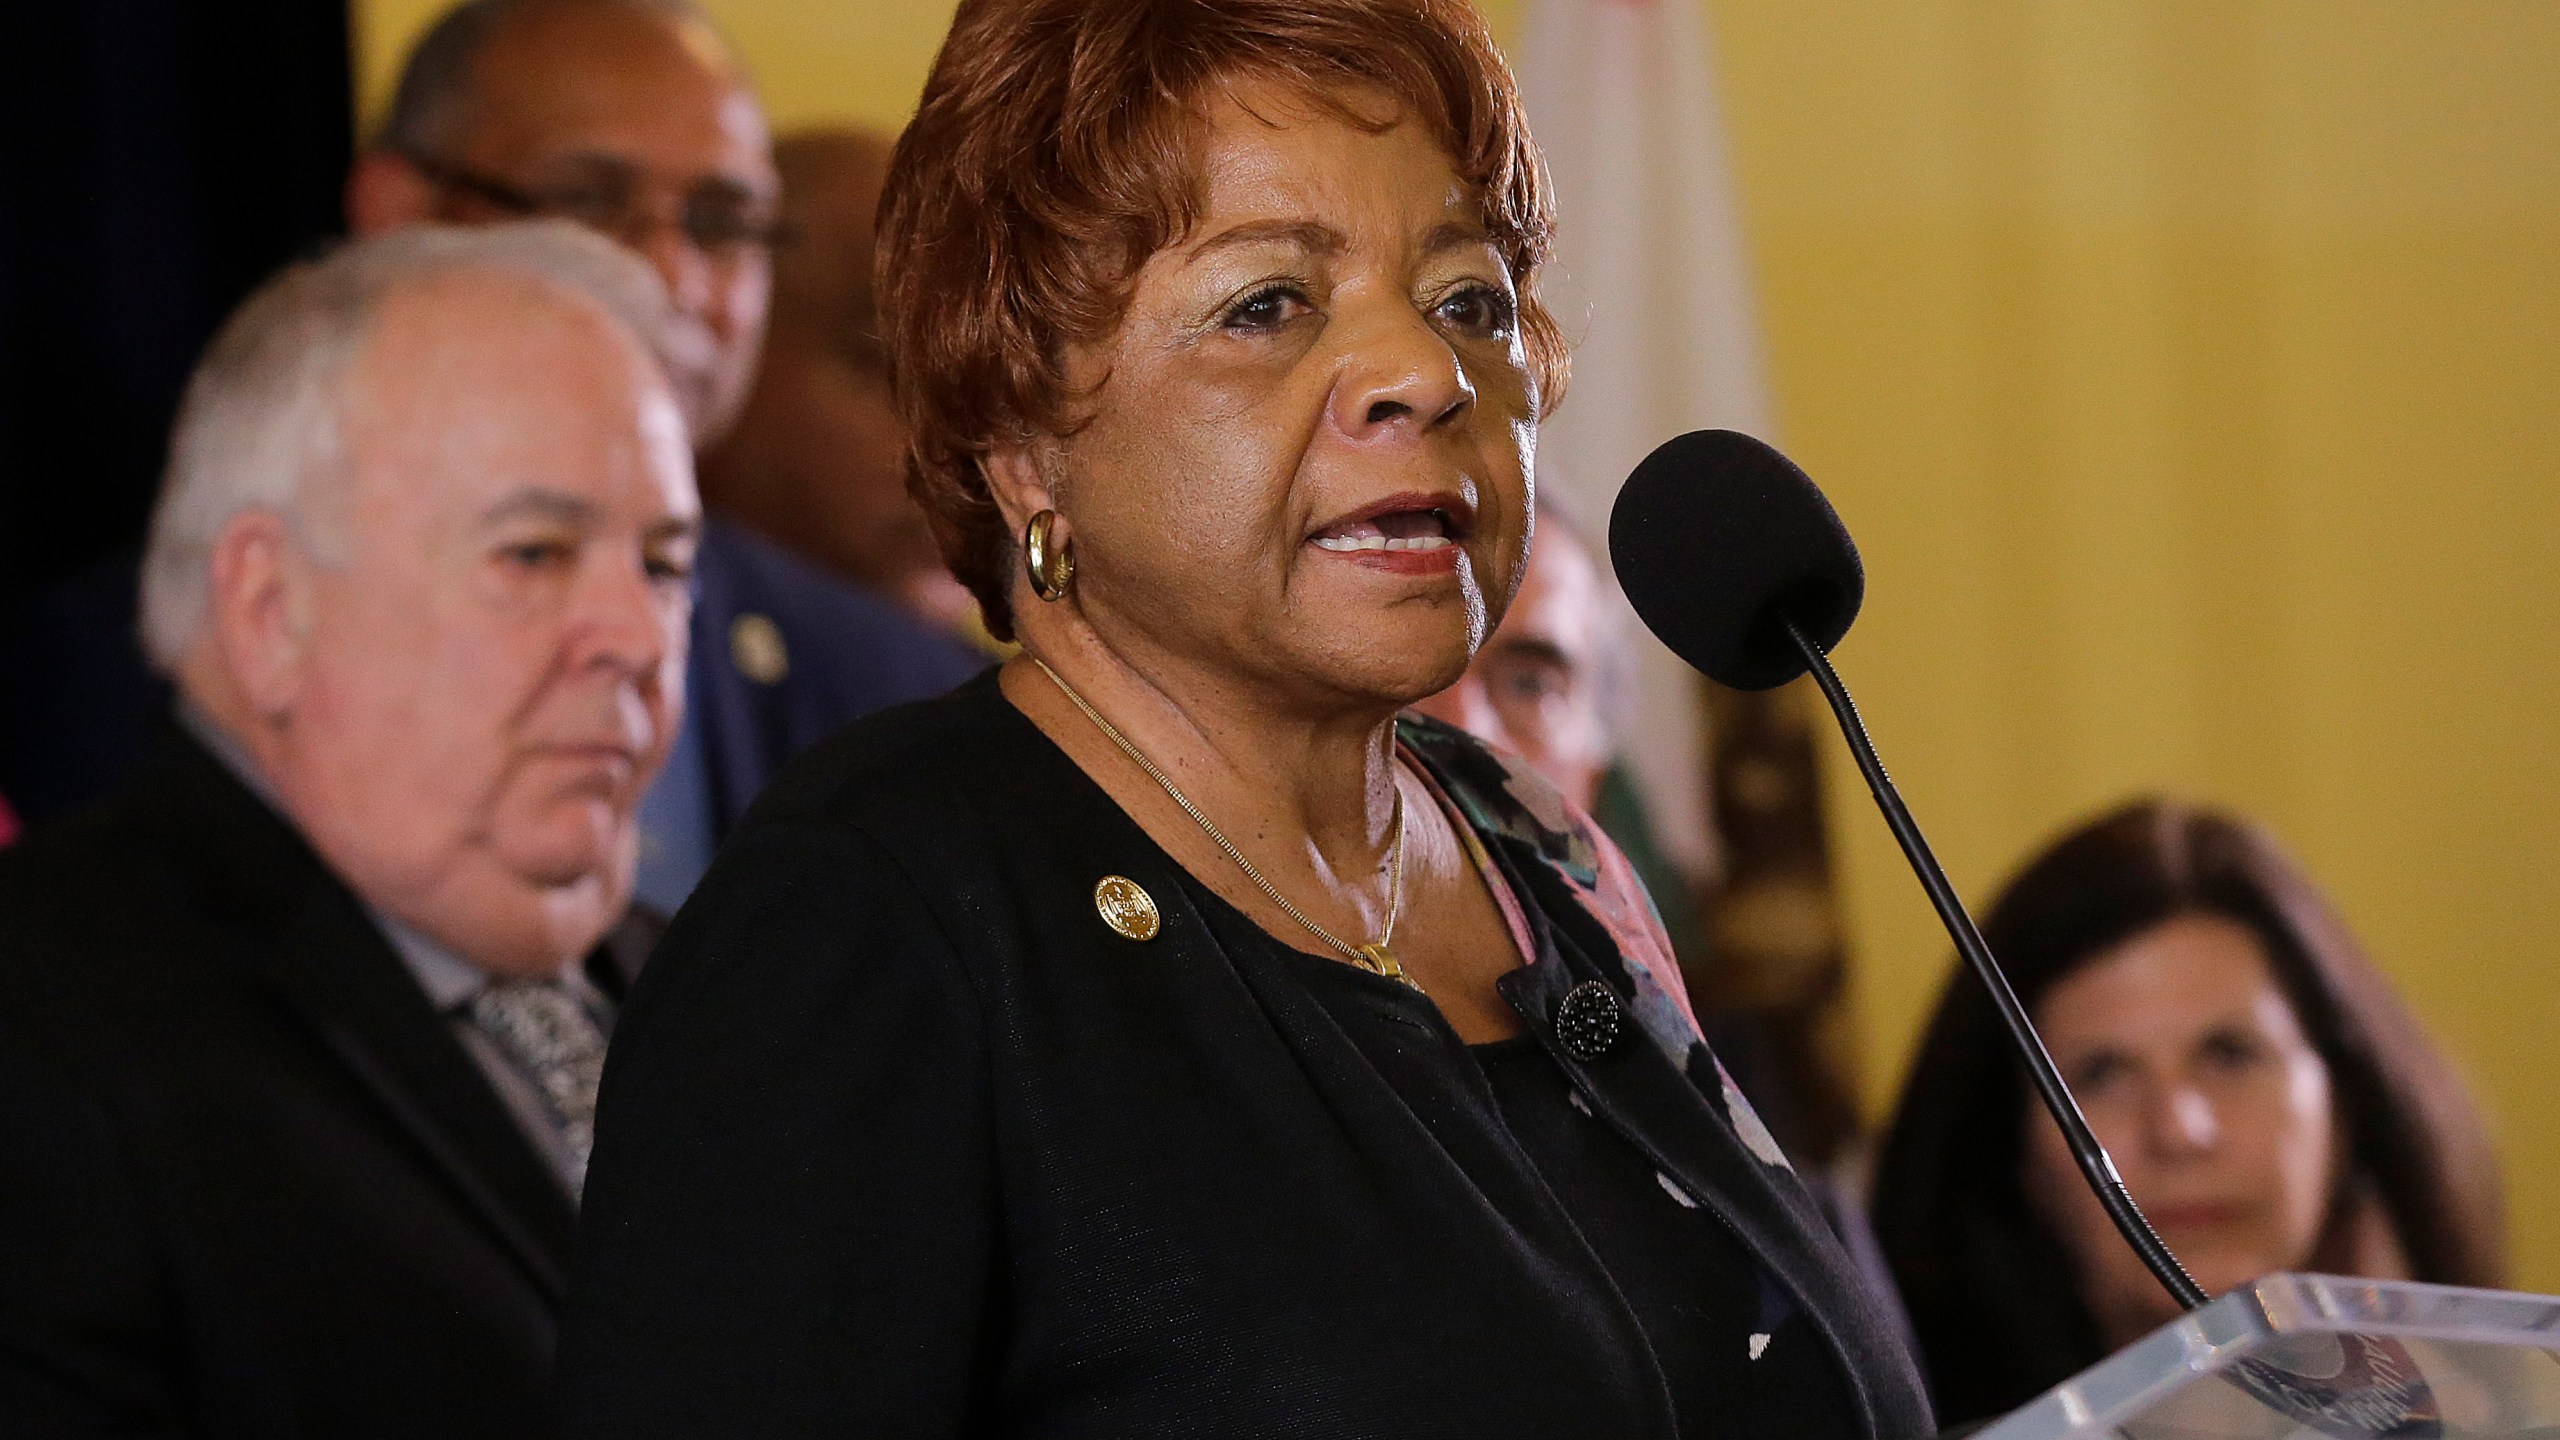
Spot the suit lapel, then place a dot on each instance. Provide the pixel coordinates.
(333, 966)
(313, 944)
(614, 966)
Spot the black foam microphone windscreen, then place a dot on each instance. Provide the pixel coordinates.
(1721, 543)
(1719, 540)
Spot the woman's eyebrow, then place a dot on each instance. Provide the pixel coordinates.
(1308, 235)
(1456, 235)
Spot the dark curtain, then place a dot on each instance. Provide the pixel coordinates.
(157, 159)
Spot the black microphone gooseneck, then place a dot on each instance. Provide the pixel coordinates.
(1734, 558)
(2085, 1149)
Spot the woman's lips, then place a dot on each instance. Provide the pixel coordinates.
(2199, 1215)
(1371, 544)
(1399, 544)
(1412, 539)
(1442, 560)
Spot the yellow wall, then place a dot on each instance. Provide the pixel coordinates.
(860, 62)
(2190, 373)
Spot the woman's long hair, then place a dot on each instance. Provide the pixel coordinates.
(1993, 1295)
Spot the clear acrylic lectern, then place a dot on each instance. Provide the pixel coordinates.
(2317, 1357)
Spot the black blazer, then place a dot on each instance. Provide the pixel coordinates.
(250, 1184)
(898, 1138)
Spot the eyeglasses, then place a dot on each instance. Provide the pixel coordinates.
(717, 217)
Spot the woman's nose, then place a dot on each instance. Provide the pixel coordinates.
(2183, 1122)
(1400, 376)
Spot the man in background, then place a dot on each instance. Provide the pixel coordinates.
(300, 1034)
(818, 459)
(633, 117)
(627, 116)
(630, 117)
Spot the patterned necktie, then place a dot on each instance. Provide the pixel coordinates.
(555, 1043)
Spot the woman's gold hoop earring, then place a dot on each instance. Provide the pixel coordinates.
(1053, 569)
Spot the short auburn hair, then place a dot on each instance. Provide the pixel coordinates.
(1053, 153)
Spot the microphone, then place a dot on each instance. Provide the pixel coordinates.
(1735, 560)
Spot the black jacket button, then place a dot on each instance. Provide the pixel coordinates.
(1590, 1021)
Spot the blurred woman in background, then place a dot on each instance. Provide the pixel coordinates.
(2270, 1102)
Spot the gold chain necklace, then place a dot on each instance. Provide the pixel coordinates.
(1373, 957)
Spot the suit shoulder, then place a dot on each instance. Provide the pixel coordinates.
(825, 622)
(97, 927)
(84, 864)
(901, 764)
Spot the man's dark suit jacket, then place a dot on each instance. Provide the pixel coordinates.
(78, 706)
(250, 1183)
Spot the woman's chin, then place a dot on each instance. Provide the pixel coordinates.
(1406, 675)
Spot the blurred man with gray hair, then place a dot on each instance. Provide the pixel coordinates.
(636, 119)
(299, 1037)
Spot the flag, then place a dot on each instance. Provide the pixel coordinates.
(1652, 283)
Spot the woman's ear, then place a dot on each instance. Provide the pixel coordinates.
(1017, 481)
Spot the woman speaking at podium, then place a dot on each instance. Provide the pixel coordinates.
(1160, 1036)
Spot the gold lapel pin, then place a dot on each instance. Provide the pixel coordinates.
(756, 645)
(1126, 907)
